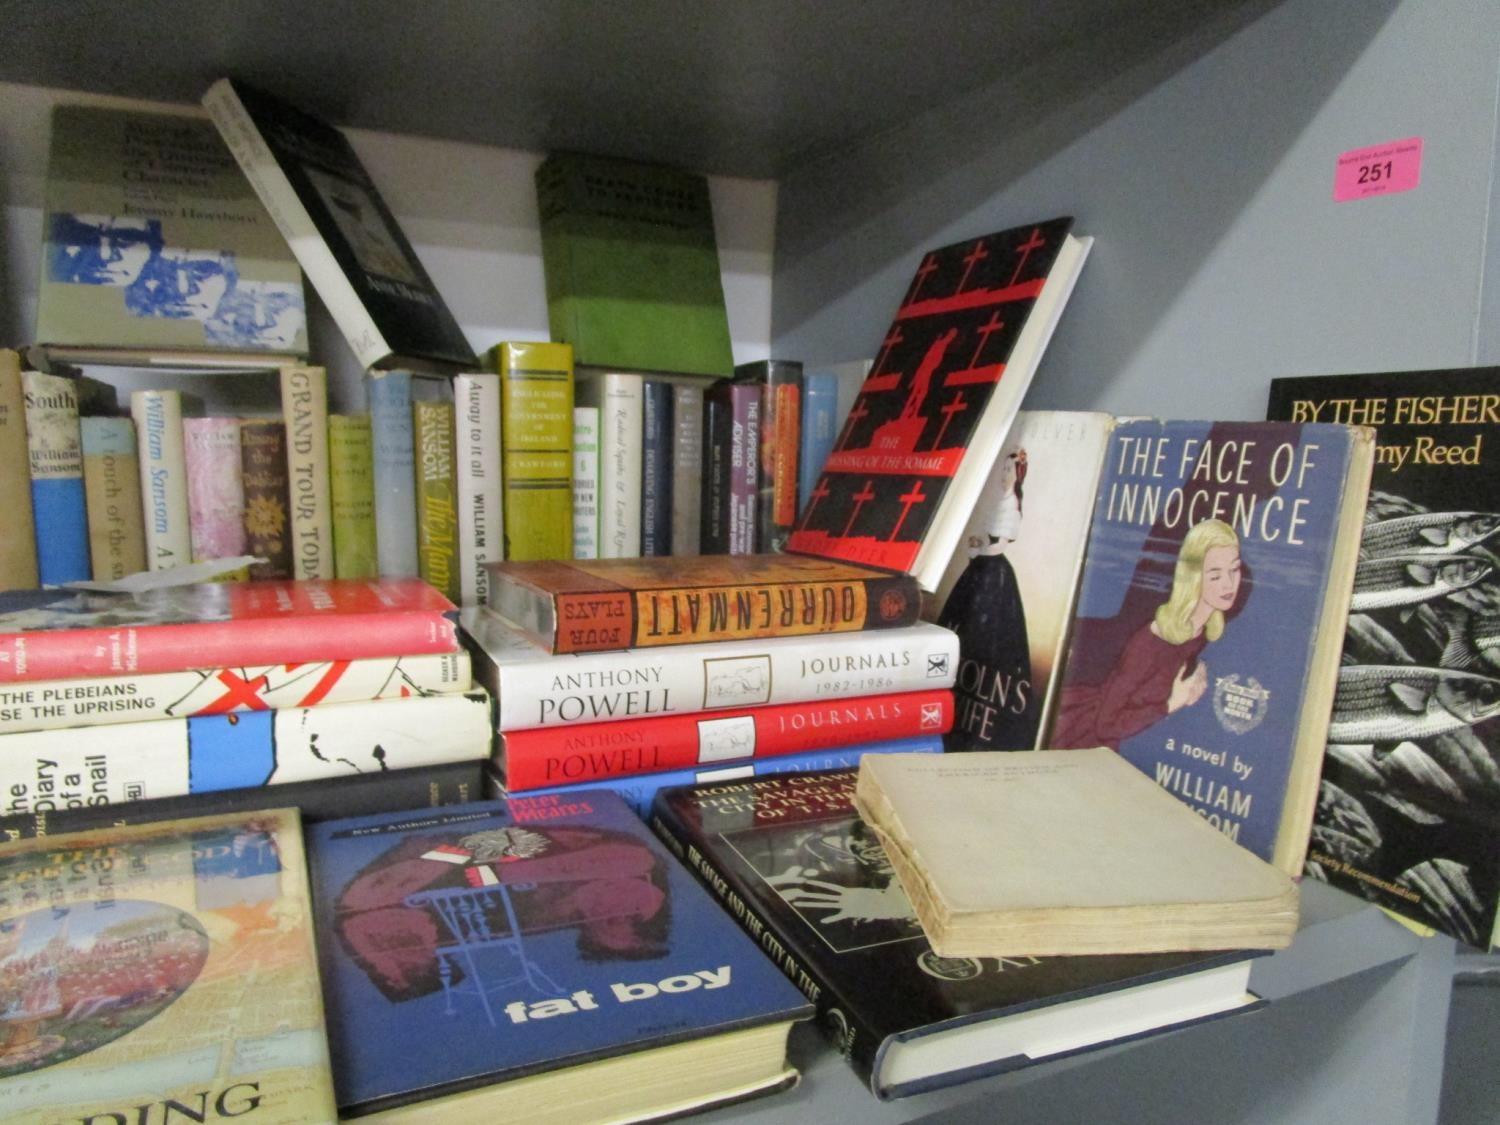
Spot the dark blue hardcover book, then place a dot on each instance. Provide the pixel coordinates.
(640, 790)
(1210, 616)
(468, 947)
(820, 407)
(656, 468)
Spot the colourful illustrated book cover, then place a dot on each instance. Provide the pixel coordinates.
(922, 436)
(1008, 593)
(489, 941)
(1409, 810)
(1211, 612)
(161, 972)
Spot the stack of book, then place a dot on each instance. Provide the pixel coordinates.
(346, 695)
(636, 674)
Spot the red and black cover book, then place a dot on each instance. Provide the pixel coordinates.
(945, 385)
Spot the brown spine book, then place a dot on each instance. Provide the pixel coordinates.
(605, 604)
(18, 544)
(267, 534)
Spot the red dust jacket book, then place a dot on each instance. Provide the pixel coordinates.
(924, 432)
(70, 634)
(534, 759)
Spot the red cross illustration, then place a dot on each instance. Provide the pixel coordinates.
(972, 259)
(816, 495)
(986, 330)
(957, 406)
(893, 338)
(239, 692)
(929, 266)
(1035, 242)
(855, 415)
(908, 500)
(861, 498)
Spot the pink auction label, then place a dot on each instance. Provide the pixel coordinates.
(1378, 170)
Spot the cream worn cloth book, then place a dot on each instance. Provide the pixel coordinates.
(1062, 852)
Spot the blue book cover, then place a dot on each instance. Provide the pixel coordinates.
(820, 400)
(657, 438)
(57, 497)
(477, 943)
(1210, 615)
(639, 791)
(395, 473)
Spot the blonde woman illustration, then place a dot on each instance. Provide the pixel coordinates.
(1159, 670)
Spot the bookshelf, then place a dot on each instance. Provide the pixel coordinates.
(1196, 141)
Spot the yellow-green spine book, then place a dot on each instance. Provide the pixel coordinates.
(437, 509)
(536, 422)
(352, 484)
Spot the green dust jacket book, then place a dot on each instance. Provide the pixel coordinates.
(632, 265)
(1408, 812)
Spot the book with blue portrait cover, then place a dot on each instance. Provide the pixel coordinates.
(1210, 615)
(502, 955)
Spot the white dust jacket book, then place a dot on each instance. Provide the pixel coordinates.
(620, 397)
(585, 482)
(476, 471)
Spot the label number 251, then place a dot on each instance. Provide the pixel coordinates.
(1374, 173)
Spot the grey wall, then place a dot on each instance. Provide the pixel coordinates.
(1206, 176)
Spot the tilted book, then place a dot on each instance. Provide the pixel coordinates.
(58, 504)
(531, 759)
(642, 603)
(1211, 613)
(560, 964)
(51, 704)
(162, 971)
(535, 688)
(344, 236)
(1409, 812)
(923, 434)
(632, 266)
(18, 547)
(1093, 858)
(71, 634)
(175, 757)
(1009, 591)
(536, 418)
(791, 860)
(156, 248)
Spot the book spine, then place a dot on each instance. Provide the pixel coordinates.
(263, 470)
(351, 486)
(281, 202)
(585, 482)
(18, 545)
(57, 497)
(554, 756)
(481, 519)
(395, 472)
(112, 485)
(389, 791)
(55, 769)
(687, 469)
(215, 487)
(656, 468)
(713, 536)
(54, 704)
(129, 650)
(839, 1012)
(536, 412)
(819, 428)
(158, 434)
(781, 432)
(559, 691)
(621, 418)
(304, 409)
(437, 515)
(744, 468)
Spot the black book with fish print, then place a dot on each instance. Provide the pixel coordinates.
(1408, 811)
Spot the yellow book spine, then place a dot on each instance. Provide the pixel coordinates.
(536, 410)
(437, 510)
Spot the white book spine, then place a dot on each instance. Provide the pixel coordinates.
(476, 469)
(687, 468)
(304, 408)
(621, 416)
(585, 482)
(538, 689)
(296, 226)
(158, 421)
(56, 704)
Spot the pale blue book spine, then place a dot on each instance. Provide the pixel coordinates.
(55, 448)
(820, 398)
(394, 472)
